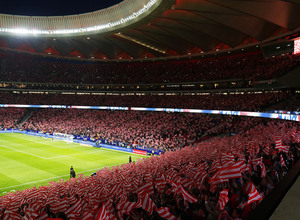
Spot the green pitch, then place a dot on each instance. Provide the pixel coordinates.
(27, 161)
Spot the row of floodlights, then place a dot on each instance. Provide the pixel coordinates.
(25, 31)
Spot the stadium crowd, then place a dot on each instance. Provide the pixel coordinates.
(20, 67)
(223, 178)
(247, 101)
(9, 117)
(163, 131)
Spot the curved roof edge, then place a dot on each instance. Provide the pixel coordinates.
(105, 20)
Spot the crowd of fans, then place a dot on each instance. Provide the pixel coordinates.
(248, 101)
(163, 131)
(159, 130)
(223, 178)
(19, 67)
(9, 117)
(290, 104)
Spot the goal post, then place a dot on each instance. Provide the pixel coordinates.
(63, 137)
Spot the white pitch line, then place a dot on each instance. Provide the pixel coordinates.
(69, 155)
(23, 184)
(23, 152)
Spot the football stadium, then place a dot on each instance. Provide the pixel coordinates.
(150, 109)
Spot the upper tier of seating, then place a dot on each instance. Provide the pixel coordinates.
(252, 66)
(251, 102)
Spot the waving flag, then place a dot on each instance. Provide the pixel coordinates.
(285, 149)
(160, 185)
(103, 214)
(175, 187)
(223, 199)
(200, 177)
(233, 171)
(165, 213)
(187, 196)
(30, 214)
(293, 133)
(266, 150)
(278, 144)
(282, 161)
(227, 159)
(253, 195)
(75, 209)
(126, 207)
(146, 188)
(263, 169)
(146, 203)
(88, 216)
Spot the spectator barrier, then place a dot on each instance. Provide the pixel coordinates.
(290, 117)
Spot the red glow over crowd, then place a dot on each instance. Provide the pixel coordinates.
(224, 178)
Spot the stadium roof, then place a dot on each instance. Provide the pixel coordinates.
(137, 29)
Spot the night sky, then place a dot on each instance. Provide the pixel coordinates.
(53, 7)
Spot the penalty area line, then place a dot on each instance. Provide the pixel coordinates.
(22, 152)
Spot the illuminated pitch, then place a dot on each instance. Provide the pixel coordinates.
(28, 161)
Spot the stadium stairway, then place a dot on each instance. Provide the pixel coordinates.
(27, 115)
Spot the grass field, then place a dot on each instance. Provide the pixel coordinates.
(27, 161)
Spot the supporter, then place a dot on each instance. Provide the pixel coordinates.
(165, 174)
(10, 116)
(253, 66)
(249, 101)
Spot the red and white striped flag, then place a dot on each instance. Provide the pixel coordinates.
(227, 159)
(59, 205)
(165, 213)
(187, 196)
(278, 144)
(160, 185)
(200, 177)
(253, 195)
(282, 161)
(75, 208)
(266, 150)
(285, 149)
(8, 215)
(233, 171)
(146, 188)
(103, 214)
(262, 168)
(126, 207)
(293, 133)
(175, 187)
(223, 199)
(88, 215)
(30, 214)
(187, 183)
(146, 203)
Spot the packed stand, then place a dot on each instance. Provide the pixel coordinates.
(224, 178)
(290, 104)
(9, 117)
(163, 131)
(248, 101)
(19, 67)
